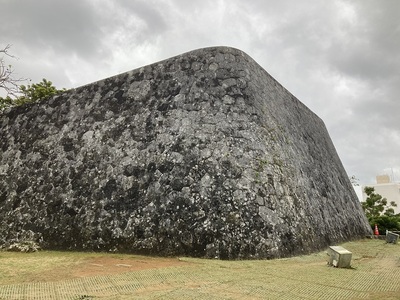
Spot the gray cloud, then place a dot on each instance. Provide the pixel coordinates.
(150, 12)
(370, 47)
(65, 27)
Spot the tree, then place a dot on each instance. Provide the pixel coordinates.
(379, 212)
(17, 93)
(7, 80)
(31, 93)
(375, 205)
(36, 92)
(391, 223)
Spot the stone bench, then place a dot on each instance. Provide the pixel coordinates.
(339, 257)
(392, 237)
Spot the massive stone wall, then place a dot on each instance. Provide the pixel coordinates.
(203, 154)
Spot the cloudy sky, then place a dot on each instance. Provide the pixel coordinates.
(339, 57)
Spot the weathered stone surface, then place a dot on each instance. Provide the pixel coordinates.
(203, 154)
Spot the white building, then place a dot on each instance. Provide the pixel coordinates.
(387, 189)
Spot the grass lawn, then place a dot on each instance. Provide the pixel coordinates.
(375, 274)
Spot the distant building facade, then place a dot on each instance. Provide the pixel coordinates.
(387, 189)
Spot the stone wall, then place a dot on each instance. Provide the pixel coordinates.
(203, 154)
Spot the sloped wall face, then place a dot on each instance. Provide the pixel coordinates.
(203, 154)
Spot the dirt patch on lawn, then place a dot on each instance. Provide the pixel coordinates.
(109, 265)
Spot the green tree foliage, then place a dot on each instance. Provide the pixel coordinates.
(31, 93)
(18, 94)
(375, 205)
(391, 223)
(379, 212)
(5, 102)
(38, 91)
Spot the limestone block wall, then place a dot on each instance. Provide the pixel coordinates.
(203, 154)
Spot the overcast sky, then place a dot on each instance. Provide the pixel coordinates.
(341, 58)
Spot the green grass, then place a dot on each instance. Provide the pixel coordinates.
(374, 274)
(38, 266)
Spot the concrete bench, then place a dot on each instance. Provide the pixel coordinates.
(392, 237)
(339, 257)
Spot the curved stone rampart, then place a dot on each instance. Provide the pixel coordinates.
(203, 154)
